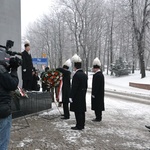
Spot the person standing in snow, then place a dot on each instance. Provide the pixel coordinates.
(78, 94)
(65, 87)
(97, 98)
(44, 85)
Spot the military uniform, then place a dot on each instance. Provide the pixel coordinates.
(97, 98)
(78, 95)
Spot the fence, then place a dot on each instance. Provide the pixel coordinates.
(36, 101)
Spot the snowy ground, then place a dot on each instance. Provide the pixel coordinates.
(122, 127)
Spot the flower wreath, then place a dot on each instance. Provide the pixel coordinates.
(52, 78)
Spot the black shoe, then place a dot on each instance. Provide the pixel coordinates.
(65, 118)
(97, 120)
(75, 128)
(148, 127)
(62, 114)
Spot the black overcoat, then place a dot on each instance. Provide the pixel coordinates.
(78, 92)
(66, 84)
(35, 79)
(8, 83)
(26, 64)
(98, 92)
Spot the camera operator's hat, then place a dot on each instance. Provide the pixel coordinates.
(67, 64)
(96, 63)
(77, 61)
(26, 43)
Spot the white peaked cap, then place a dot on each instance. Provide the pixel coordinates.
(76, 58)
(68, 63)
(26, 42)
(97, 62)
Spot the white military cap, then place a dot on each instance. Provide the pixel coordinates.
(96, 63)
(67, 63)
(76, 59)
(26, 42)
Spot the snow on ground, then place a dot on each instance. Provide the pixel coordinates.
(122, 126)
(122, 119)
(121, 83)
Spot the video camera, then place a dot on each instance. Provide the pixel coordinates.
(5, 56)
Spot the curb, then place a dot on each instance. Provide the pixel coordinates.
(127, 96)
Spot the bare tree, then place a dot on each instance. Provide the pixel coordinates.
(139, 27)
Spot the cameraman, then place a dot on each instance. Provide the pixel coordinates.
(8, 82)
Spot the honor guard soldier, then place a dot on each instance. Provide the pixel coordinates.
(65, 87)
(97, 102)
(78, 94)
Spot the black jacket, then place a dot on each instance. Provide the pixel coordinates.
(98, 92)
(66, 84)
(8, 82)
(26, 64)
(35, 85)
(78, 92)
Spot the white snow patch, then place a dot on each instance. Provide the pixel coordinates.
(24, 142)
(88, 141)
(53, 146)
(69, 135)
(21, 144)
(135, 145)
(50, 112)
(86, 148)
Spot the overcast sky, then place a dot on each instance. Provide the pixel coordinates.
(32, 10)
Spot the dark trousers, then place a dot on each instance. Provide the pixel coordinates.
(66, 110)
(27, 85)
(98, 115)
(80, 119)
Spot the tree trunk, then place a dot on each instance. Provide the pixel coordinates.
(141, 57)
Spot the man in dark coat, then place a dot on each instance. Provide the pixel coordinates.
(97, 91)
(44, 85)
(27, 67)
(65, 88)
(35, 79)
(78, 95)
(8, 82)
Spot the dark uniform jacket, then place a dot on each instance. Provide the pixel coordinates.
(98, 92)
(26, 64)
(8, 82)
(66, 84)
(78, 92)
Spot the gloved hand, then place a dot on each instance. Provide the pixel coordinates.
(70, 100)
(93, 96)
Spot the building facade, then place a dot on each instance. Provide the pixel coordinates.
(10, 23)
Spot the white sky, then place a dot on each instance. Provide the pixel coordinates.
(32, 10)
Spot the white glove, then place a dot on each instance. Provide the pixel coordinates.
(70, 100)
(93, 96)
(24, 70)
